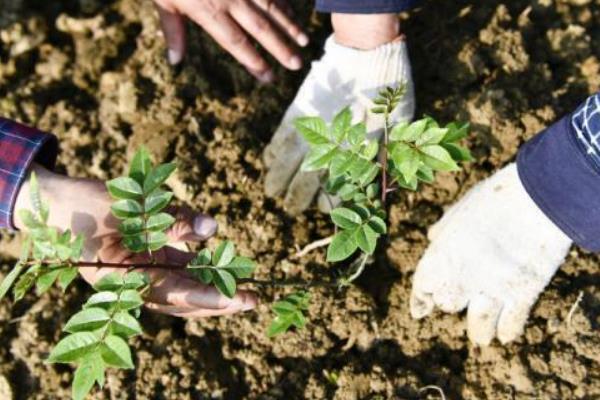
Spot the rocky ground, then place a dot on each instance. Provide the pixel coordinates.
(94, 73)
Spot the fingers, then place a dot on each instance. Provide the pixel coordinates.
(173, 27)
(482, 317)
(303, 188)
(177, 289)
(258, 26)
(512, 321)
(281, 13)
(190, 226)
(233, 39)
(191, 312)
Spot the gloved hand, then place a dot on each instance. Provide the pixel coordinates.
(342, 77)
(494, 252)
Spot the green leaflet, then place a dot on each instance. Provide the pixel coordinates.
(289, 312)
(222, 268)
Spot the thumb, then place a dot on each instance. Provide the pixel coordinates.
(173, 27)
(190, 226)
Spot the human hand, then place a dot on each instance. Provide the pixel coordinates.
(343, 76)
(493, 252)
(83, 205)
(230, 23)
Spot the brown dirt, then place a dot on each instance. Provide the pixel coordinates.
(93, 72)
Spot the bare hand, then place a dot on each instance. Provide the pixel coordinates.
(230, 23)
(83, 205)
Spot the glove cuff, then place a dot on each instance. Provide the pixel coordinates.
(563, 181)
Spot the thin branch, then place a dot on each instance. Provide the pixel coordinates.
(359, 270)
(297, 282)
(103, 264)
(312, 246)
(574, 308)
(433, 387)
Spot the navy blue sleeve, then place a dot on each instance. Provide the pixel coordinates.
(364, 7)
(560, 169)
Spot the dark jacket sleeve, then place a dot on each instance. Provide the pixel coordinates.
(560, 169)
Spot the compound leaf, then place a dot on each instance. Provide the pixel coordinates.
(312, 129)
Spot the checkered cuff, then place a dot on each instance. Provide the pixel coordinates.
(20, 145)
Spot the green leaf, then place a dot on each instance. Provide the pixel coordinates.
(104, 299)
(458, 153)
(89, 371)
(280, 324)
(36, 200)
(377, 224)
(25, 282)
(456, 132)
(73, 347)
(157, 240)
(370, 150)
(425, 174)
(157, 176)
(66, 276)
(224, 253)
(203, 274)
(135, 280)
(408, 132)
(109, 282)
(124, 324)
(46, 280)
(140, 165)
(342, 246)
(312, 129)
(406, 160)
(318, 158)
(116, 352)
(77, 247)
(131, 226)
(87, 319)
(431, 136)
(159, 222)
(241, 267)
(29, 219)
(341, 124)
(357, 134)
(126, 209)
(225, 282)
(361, 210)
(124, 188)
(347, 191)
(437, 158)
(10, 279)
(203, 257)
(366, 238)
(369, 175)
(130, 299)
(373, 190)
(340, 163)
(345, 218)
(157, 201)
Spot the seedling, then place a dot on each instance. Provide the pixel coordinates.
(96, 337)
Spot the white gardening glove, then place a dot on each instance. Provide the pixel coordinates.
(493, 252)
(342, 77)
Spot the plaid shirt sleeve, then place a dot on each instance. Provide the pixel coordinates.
(20, 145)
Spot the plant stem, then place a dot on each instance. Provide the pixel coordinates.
(314, 245)
(290, 282)
(384, 161)
(359, 270)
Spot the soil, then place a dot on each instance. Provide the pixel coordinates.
(94, 73)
